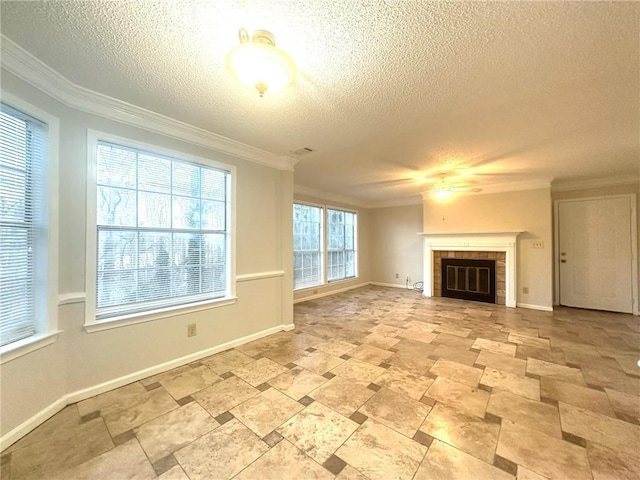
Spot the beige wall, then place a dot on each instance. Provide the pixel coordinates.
(80, 360)
(529, 210)
(604, 192)
(396, 246)
(364, 270)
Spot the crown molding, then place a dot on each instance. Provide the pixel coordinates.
(594, 183)
(534, 184)
(25, 66)
(331, 197)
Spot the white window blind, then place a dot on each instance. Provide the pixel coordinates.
(23, 244)
(341, 244)
(307, 246)
(162, 231)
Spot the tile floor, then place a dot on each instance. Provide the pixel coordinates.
(378, 384)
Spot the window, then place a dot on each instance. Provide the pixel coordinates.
(162, 231)
(341, 248)
(24, 219)
(307, 246)
(310, 240)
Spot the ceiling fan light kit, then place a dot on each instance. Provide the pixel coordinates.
(257, 62)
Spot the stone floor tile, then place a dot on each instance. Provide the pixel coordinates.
(444, 462)
(132, 392)
(380, 341)
(457, 371)
(350, 473)
(576, 395)
(454, 341)
(555, 371)
(60, 452)
(456, 354)
(190, 382)
(259, 371)
(174, 473)
(629, 363)
(545, 354)
(613, 378)
(526, 474)
(501, 362)
(370, 354)
(402, 381)
(494, 347)
(530, 341)
(284, 354)
(468, 433)
(614, 433)
(381, 453)
(318, 431)
(336, 347)
(548, 456)
(297, 382)
(65, 420)
(173, 430)
(165, 375)
(623, 403)
(125, 461)
(344, 395)
(358, 370)
(396, 411)
(223, 396)
(457, 395)
(453, 330)
(284, 461)
(529, 413)
(222, 453)
(517, 384)
(611, 464)
(418, 363)
(319, 362)
(386, 330)
(419, 333)
(122, 416)
(226, 361)
(266, 411)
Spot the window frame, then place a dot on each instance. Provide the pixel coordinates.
(323, 245)
(46, 326)
(355, 244)
(92, 324)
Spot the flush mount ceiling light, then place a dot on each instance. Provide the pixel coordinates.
(257, 62)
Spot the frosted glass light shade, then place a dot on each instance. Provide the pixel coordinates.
(261, 66)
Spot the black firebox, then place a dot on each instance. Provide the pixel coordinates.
(469, 279)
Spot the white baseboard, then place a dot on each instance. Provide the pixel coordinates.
(330, 292)
(25, 427)
(391, 285)
(535, 307)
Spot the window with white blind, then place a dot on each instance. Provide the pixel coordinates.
(341, 244)
(162, 231)
(307, 246)
(24, 225)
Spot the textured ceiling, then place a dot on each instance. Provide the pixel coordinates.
(387, 91)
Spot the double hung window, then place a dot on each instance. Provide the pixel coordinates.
(24, 226)
(341, 248)
(162, 231)
(307, 246)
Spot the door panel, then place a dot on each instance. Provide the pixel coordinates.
(595, 254)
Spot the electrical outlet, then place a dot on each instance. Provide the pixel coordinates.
(525, 290)
(397, 275)
(408, 279)
(537, 244)
(191, 330)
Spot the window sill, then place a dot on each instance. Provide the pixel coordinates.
(27, 345)
(125, 320)
(326, 284)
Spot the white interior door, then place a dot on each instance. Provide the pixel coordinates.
(595, 254)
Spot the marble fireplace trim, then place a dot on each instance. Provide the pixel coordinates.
(473, 242)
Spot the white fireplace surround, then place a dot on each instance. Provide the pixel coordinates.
(473, 242)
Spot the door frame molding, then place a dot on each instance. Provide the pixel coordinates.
(634, 244)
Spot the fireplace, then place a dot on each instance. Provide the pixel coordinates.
(469, 279)
(497, 246)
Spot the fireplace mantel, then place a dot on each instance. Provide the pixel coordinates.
(476, 242)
